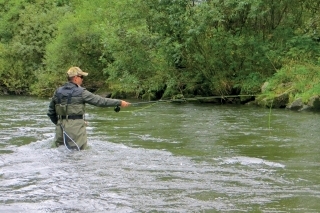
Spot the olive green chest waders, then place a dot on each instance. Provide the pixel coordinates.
(71, 125)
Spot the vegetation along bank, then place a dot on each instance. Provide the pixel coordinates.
(152, 49)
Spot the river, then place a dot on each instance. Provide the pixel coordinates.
(162, 157)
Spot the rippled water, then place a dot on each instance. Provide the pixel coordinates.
(161, 158)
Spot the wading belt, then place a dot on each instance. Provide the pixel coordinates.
(71, 117)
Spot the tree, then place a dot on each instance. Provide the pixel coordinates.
(25, 32)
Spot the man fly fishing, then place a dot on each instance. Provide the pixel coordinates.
(67, 109)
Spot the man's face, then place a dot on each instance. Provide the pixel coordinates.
(79, 79)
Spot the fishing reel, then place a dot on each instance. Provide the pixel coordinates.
(117, 109)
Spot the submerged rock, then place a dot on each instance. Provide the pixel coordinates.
(296, 104)
(314, 103)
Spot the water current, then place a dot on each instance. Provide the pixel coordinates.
(161, 157)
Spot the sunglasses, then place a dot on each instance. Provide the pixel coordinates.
(80, 76)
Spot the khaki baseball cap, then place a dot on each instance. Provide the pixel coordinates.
(76, 71)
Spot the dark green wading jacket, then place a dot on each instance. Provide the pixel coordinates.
(70, 100)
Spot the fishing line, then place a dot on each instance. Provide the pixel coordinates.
(269, 122)
(2, 159)
(66, 137)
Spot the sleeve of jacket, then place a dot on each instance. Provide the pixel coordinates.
(97, 100)
(52, 112)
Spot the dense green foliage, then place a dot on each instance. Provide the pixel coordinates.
(153, 48)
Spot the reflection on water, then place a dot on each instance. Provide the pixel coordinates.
(164, 158)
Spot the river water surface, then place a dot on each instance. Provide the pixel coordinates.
(162, 157)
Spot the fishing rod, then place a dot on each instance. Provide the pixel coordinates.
(181, 100)
(117, 108)
(149, 102)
